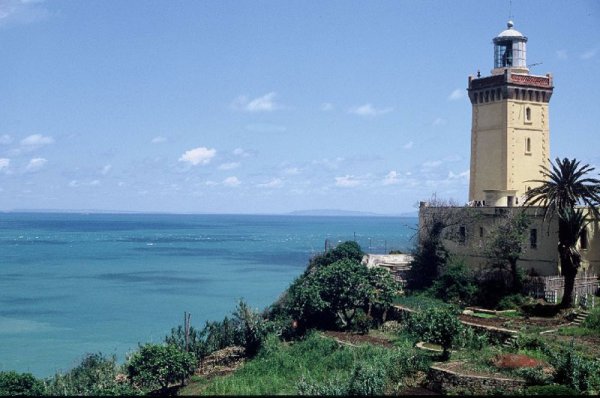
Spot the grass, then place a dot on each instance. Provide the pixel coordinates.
(419, 302)
(281, 366)
(577, 331)
(483, 315)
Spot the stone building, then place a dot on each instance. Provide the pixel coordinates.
(510, 141)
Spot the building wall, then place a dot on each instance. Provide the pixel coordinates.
(478, 222)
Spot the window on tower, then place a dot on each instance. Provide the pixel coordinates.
(528, 115)
(528, 145)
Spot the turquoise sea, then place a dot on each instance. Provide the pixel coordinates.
(72, 284)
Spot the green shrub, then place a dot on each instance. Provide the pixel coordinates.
(13, 383)
(348, 250)
(574, 371)
(534, 376)
(552, 389)
(455, 285)
(511, 302)
(593, 320)
(95, 375)
(156, 366)
(367, 380)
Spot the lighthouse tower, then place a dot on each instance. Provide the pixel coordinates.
(510, 134)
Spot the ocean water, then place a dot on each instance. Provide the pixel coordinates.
(72, 284)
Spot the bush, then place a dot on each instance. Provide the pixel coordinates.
(593, 320)
(13, 383)
(535, 376)
(95, 375)
(156, 366)
(511, 302)
(455, 285)
(575, 371)
(366, 380)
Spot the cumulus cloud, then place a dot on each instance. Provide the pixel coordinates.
(453, 176)
(391, 178)
(439, 122)
(291, 171)
(22, 11)
(274, 183)
(36, 140)
(158, 140)
(196, 156)
(35, 164)
(430, 164)
(240, 152)
(369, 110)
(229, 166)
(4, 163)
(408, 145)
(106, 169)
(232, 181)
(457, 94)
(266, 103)
(347, 181)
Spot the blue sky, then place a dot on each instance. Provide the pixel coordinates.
(268, 106)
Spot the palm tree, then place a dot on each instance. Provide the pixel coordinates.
(563, 187)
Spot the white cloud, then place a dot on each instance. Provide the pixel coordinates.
(158, 140)
(439, 122)
(456, 94)
(106, 169)
(408, 145)
(22, 11)
(562, 54)
(369, 110)
(37, 140)
(229, 166)
(4, 163)
(346, 181)
(274, 183)
(266, 103)
(391, 178)
(94, 183)
(35, 164)
(431, 164)
(589, 54)
(196, 156)
(240, 152)
(5, 139)
(231, 181)
(464, 174)
(327, 106)
(291, 171)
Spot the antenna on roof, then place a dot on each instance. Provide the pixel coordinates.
(536, 64)
(510, 16)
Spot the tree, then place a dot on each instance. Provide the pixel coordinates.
(156, 366)
(348, 250)
(438, 325)
(563, 187)
(505, 245)
(13, 383)
(438, 220)
(335, 294)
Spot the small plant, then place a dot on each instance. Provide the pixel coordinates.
(553, 389)
(535, 376)
(593, 320)
(575, 371)
(366, 380)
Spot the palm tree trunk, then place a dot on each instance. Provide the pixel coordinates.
(569, 272)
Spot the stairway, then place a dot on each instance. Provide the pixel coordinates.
(581, 315)
(511, 341)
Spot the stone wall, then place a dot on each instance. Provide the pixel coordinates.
(450, 381)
